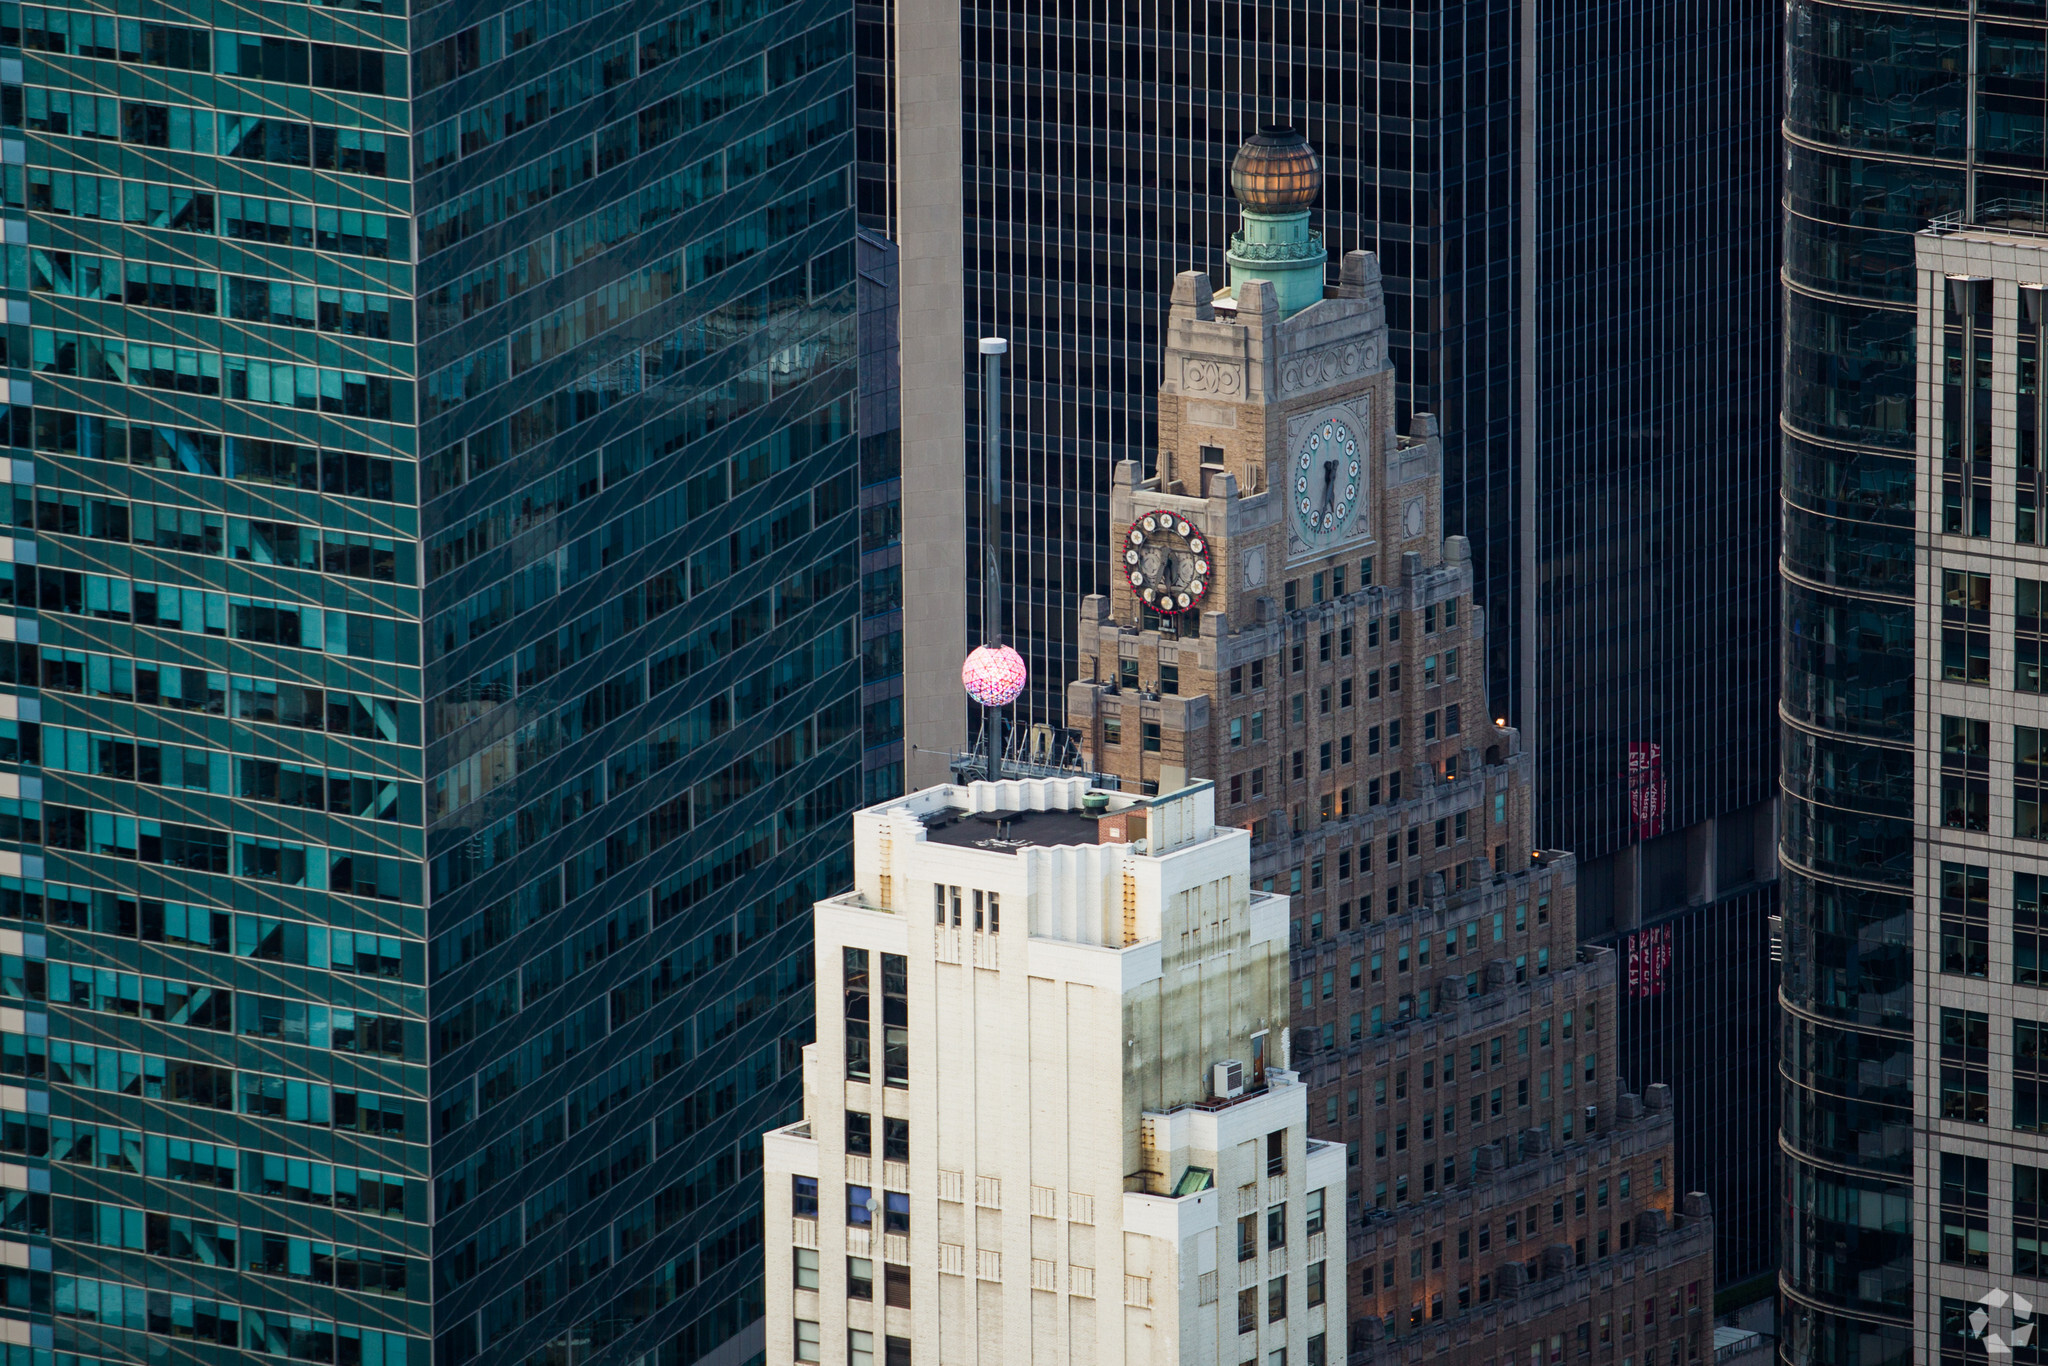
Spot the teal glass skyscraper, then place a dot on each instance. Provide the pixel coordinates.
(430, 688)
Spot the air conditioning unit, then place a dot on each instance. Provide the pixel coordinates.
(1226, 1080)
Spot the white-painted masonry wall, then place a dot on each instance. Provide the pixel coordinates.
(1050, 1094)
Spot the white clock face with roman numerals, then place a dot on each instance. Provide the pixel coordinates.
(1166, 559)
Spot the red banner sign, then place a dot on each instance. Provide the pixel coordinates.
(1646, 787)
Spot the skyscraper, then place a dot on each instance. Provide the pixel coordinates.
(881, 520)
(1978, 1146)
(432, 685)
(1575, 208)
(1892, 119)
(992, 1179)
(1291, 617)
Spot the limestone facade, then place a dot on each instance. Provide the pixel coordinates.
(1506, 1199)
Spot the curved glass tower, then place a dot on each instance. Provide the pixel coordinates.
(1893, 117)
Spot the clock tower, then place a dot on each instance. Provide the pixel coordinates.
(1287, 620)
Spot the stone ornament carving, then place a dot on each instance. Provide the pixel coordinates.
(1413, 519)
(1255, 566)
(1211, 377)
(1327, 366)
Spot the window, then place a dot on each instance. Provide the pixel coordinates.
(2026, 931)
(895, 1020)
(2030, 1071)
(1966, 921)
(2030, 638)
(1276, 1152)
(2029, 778)
(1276, 1299)
(1314, 1206)
(1315, 1283)
(895, 1140)
(2030, 1221)
(860, 1139)
(1965, 774)
(895, 1212)
(860, 1278)
(1965, 631)
(1276, 1226)
(804, 1197)
(1149, 732)
(895, 1285)
(1247, 1237)
(1965, 1201)
(1237, 680)
(1966, 418)
(860, 1348)
(858, 1214)
(856, 985)
(1113, 730)
(806, 1340)
(806, 1273)
(1169, 680)
(1248, 1310)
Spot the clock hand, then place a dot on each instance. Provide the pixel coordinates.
(1329, 483)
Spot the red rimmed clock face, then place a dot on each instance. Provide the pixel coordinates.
(1166, 558)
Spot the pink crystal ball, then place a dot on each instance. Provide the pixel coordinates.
(993, 675)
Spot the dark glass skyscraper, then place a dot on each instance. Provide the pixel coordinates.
(1894, 116)
(431, 683)
(1574, 207)
(1653, 377)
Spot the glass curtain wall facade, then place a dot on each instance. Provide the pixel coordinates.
(431, 683)
(881, 522)
(1655, 342)
(1634, 253)
(1893, 117)
(1098, 138)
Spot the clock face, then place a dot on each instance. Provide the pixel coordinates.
(1166, 558)
(1328, 467)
